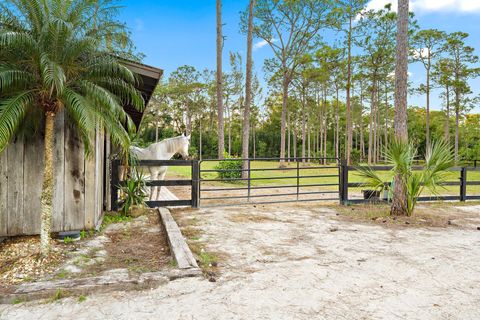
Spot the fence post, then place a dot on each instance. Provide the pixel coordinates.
(114, 182)
(463, 184)
(195, 183)
(343, 182)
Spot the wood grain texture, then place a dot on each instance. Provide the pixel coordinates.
(3, 193)
(59, 174)
(74, 181)
(32, 184)
(15, 187)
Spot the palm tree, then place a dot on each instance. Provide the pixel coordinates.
(400, 155)
(52, 61)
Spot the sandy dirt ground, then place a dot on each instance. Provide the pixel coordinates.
(302, 262)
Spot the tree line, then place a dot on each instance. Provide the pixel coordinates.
(323, 98)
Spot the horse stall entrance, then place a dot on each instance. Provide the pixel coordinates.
(263, 180)
(143, 165)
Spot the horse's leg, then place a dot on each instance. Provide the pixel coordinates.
(161, 176)
(153, 176)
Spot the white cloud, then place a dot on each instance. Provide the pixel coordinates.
(261, 44)
(391, 75)
(424, 53)
(464, 6)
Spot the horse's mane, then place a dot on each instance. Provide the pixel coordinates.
(170, 144)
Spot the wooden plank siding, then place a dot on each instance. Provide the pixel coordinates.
(3, 192)
(77, 197)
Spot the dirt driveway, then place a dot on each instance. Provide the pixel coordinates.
(300, 262)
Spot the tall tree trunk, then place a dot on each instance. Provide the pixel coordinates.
(229, 130)
(362, 138)
(304, 127)
(47, 185)
(447, 115)
(248, 89)
(309, 154)
(457, 122)
(295, 143)
(348, 108)
(221, 139)
(399, 204)
(288, 136)
(337, 130)
(286, 83)
(254, 142)
(200, 140)
(371, 124)
(427, 118)
(385, 132)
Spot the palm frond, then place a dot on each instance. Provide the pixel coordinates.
(370, 178)
(12, 112)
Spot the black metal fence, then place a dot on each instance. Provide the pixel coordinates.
(462, 184)
(250, 188)
(116, 183)
(210, 188)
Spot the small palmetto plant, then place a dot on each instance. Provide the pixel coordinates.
(134, 192)
(400, 155)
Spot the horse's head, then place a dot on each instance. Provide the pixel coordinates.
(183, 150)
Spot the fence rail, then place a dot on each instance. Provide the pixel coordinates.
(462, 184)
(248, 197)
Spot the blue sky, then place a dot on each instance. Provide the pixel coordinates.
(172, 33)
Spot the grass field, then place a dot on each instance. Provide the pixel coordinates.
(261, 170)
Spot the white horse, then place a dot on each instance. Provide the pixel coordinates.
(163, 150)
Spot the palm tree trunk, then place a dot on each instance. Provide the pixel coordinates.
(221, 139)
(399, 204)
(47, 185)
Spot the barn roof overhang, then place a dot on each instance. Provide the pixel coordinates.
(148, 79)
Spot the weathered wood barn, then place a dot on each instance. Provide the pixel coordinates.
(81, 184)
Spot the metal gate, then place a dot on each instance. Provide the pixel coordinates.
(116, 183)
(266, 180)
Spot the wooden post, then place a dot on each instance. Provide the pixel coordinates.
(114, 184)
(343, 182)
(195, 183)
(463, 184)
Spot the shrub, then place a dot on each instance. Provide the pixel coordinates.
(232, 166)
(134, 192)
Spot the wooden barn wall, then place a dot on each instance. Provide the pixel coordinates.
(78, 193)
